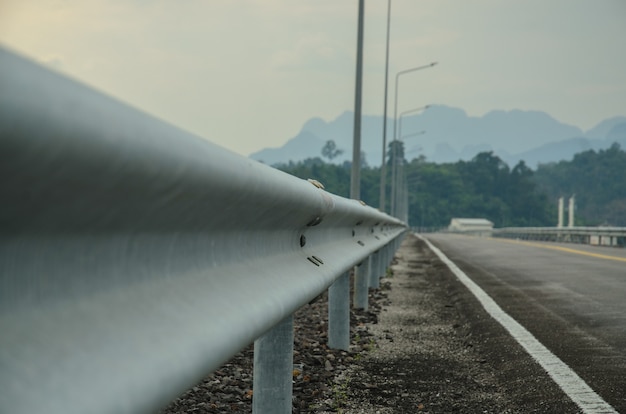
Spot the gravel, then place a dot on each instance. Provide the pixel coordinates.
(318, 385)
(423, 346)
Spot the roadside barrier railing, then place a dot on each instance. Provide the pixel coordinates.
(603, 236)
(136, 258)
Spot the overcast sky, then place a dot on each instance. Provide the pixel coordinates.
(247, 74)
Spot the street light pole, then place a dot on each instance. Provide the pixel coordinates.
(355, 179)
(394, 167)
(395, 132)
(402, 184)
(383, 169)
(339, 291)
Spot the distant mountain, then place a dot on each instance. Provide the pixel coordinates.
(599, 137)
(605, 128)
(450, 135)
(554, 151)
(302, 146)
(314, 134)
(617, 134)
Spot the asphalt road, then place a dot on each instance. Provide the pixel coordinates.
(572, 298)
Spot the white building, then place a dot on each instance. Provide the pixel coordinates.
(476, 226)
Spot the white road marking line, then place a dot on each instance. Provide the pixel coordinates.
(574, 386)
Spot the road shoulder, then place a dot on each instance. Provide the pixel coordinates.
(436, 350)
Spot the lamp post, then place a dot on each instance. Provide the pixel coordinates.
(402, 183)
(395, 122)
(399, 186)
(383, 169)
(339, 291)
(355, 176)
(394, 167)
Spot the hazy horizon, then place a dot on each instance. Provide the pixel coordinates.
(248, 74)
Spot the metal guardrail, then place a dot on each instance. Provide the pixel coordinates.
(136, 258)
(609, 236)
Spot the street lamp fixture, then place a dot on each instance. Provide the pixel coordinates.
(410, 111)
(395, 107)
(413, 135)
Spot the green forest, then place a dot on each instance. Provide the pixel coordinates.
(486, 187)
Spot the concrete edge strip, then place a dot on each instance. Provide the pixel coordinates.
(574, 386)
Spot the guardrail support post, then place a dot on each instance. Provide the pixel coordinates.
(381, 264)
(375, 270)
(361, 280)
(273, 368)
(339, 313)
(388, 256)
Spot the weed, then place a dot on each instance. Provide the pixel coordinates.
(340, 394)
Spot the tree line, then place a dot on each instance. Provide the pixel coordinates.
(597, 179)
(486, 187)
